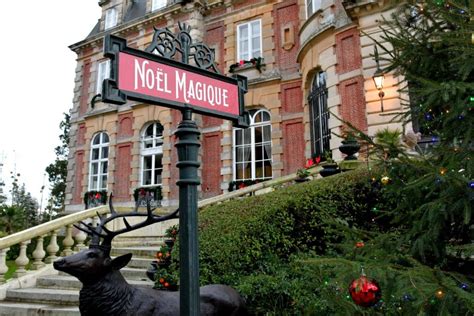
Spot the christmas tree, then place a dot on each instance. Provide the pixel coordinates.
(431, 44)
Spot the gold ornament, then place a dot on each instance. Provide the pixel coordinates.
(439, 294)
(385, 180)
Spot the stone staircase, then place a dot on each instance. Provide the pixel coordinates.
(58, 294)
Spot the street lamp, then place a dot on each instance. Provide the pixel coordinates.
(378, 78)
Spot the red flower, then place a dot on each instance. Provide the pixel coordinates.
(241, 62)
(309, 163)
(242, 185)
(97, 195)
(318, 159)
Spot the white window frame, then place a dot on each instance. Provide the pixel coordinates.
(158, 4)
(100, 161)
(110, 18)
(103, 72)
(316, 5)
(252, 127)
(251, 25)
(155, 150)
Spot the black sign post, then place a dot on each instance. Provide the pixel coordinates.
(153, 77)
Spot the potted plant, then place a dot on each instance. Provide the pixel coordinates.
(330, 167)
(349, 146)
(303, 175)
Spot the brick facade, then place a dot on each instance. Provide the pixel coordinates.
(294, 48)
(123, 172)
(125, 128)
(286, 35)
(211, 164)
(353, 102)
(294, 146)
(78, 175)
(348, 51)
(84, 101)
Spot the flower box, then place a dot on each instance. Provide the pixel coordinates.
(144, 195)
(95, 198)
(254, 63)
(240, 184)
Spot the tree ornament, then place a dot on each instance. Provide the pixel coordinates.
(385, 180)
(365, 292)
(359, 244)
(464, 286)
(471, 184)
(407, 298)
(440, 294)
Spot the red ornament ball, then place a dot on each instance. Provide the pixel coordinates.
(365, 292)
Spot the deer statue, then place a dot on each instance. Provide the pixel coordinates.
(106, 292)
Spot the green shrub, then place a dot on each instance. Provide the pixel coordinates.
(242, 236)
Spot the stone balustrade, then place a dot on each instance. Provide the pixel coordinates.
(41, 255)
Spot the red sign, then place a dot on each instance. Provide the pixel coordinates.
(157, 80)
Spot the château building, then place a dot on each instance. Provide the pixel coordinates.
(308, 63)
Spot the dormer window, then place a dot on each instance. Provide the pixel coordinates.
(103, 72)
(158, 4)
(110, 18)
(312, 6)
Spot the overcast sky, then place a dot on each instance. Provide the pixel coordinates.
(37, 80)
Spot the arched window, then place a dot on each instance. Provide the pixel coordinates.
(319, 115)
(152, 154)
(253, 148)
(99, 162)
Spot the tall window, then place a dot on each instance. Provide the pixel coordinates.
(253, 148)
(249, 40)
(312, 6)
(319, 115)
(99, 162)
(103, 72)
(152, 154)
(110, 18)
(158, 4)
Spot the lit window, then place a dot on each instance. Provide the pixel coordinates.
(152, 154)
(249, 40)
(158, 4)
(99, 162)
(103, 72)
(110, 18)
(253, 148)
(312, 6)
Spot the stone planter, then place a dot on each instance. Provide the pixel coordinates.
(329, 169)
(349, 148)
(151, 272)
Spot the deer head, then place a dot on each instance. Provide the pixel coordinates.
(91, 265)
(94, 263)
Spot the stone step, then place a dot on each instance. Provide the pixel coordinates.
(8, 308)
(138, 252)
(128, 273)
(140, 263)
(70, 282)
(44, 296)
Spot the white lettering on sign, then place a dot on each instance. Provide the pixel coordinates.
(191, 90)
(151, 80)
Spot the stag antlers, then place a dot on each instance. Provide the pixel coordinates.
(101, 231)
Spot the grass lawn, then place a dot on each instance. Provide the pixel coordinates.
(12, 268)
